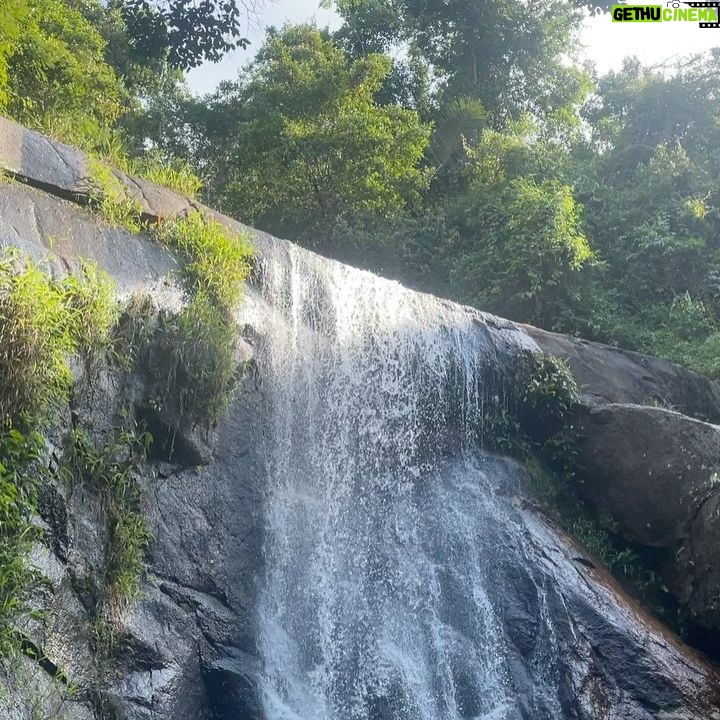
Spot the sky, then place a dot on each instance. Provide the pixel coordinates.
(606, 43)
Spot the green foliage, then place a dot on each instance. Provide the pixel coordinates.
(519, 229)
(196, 364)
(111, 199)
(20, 474)
(216, 260)
(91, 309)
(186, 32)
(52, 67)
(536, 413)
(35, 343)
(42, 321)
(12, 18)
(507, 54)
(302, 140)
(111, 470)
(550, 394)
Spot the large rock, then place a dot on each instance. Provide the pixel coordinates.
(695, 575)
(651, 469)
(608, 374)
(67, 172)
(181, 642)
(657, 473)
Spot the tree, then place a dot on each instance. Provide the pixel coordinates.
(55, 69)
(521, 250)
(652, 191)
(649, 179)
(301, 142)
(508, 54)
(187, 32)
(11, 20)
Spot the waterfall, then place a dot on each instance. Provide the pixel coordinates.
(382, 526)
(402, 576)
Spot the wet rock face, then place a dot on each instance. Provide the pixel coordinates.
(185, 650)
(611, 664)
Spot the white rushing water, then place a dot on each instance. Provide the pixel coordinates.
(382, 528)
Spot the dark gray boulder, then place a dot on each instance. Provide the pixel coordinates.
(650, 468)
(607, 374)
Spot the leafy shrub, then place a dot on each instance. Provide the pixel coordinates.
(42, 321)
(196, 364)
(216, 261)
(110, 470)
(92, 310)
(53, 71)
(196, 360)
(537, 407)
(34, 344)
(549, 393)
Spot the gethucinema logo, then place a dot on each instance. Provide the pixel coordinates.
(706, 14)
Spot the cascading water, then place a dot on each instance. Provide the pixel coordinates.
(375, 602)
(400, 582)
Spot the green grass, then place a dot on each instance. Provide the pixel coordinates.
(196, 365)
(21, 471)
(42, 322)
(92, 310)
(216, 261)
(172, 174)
(110, 199)
(111, 471)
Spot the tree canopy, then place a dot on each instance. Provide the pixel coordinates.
(459, 146)
(186, 31)
(303, 142)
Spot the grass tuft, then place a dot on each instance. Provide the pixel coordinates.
(110, 199)
(196, 365)
(42, 322)
(216, 260)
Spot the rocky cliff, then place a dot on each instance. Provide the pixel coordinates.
(189, 647)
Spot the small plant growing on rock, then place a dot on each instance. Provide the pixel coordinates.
(217, 261)
(110, 199)
(170, 173)
(111, 470)
(536, 410)
(42, 322)
(195, 366)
